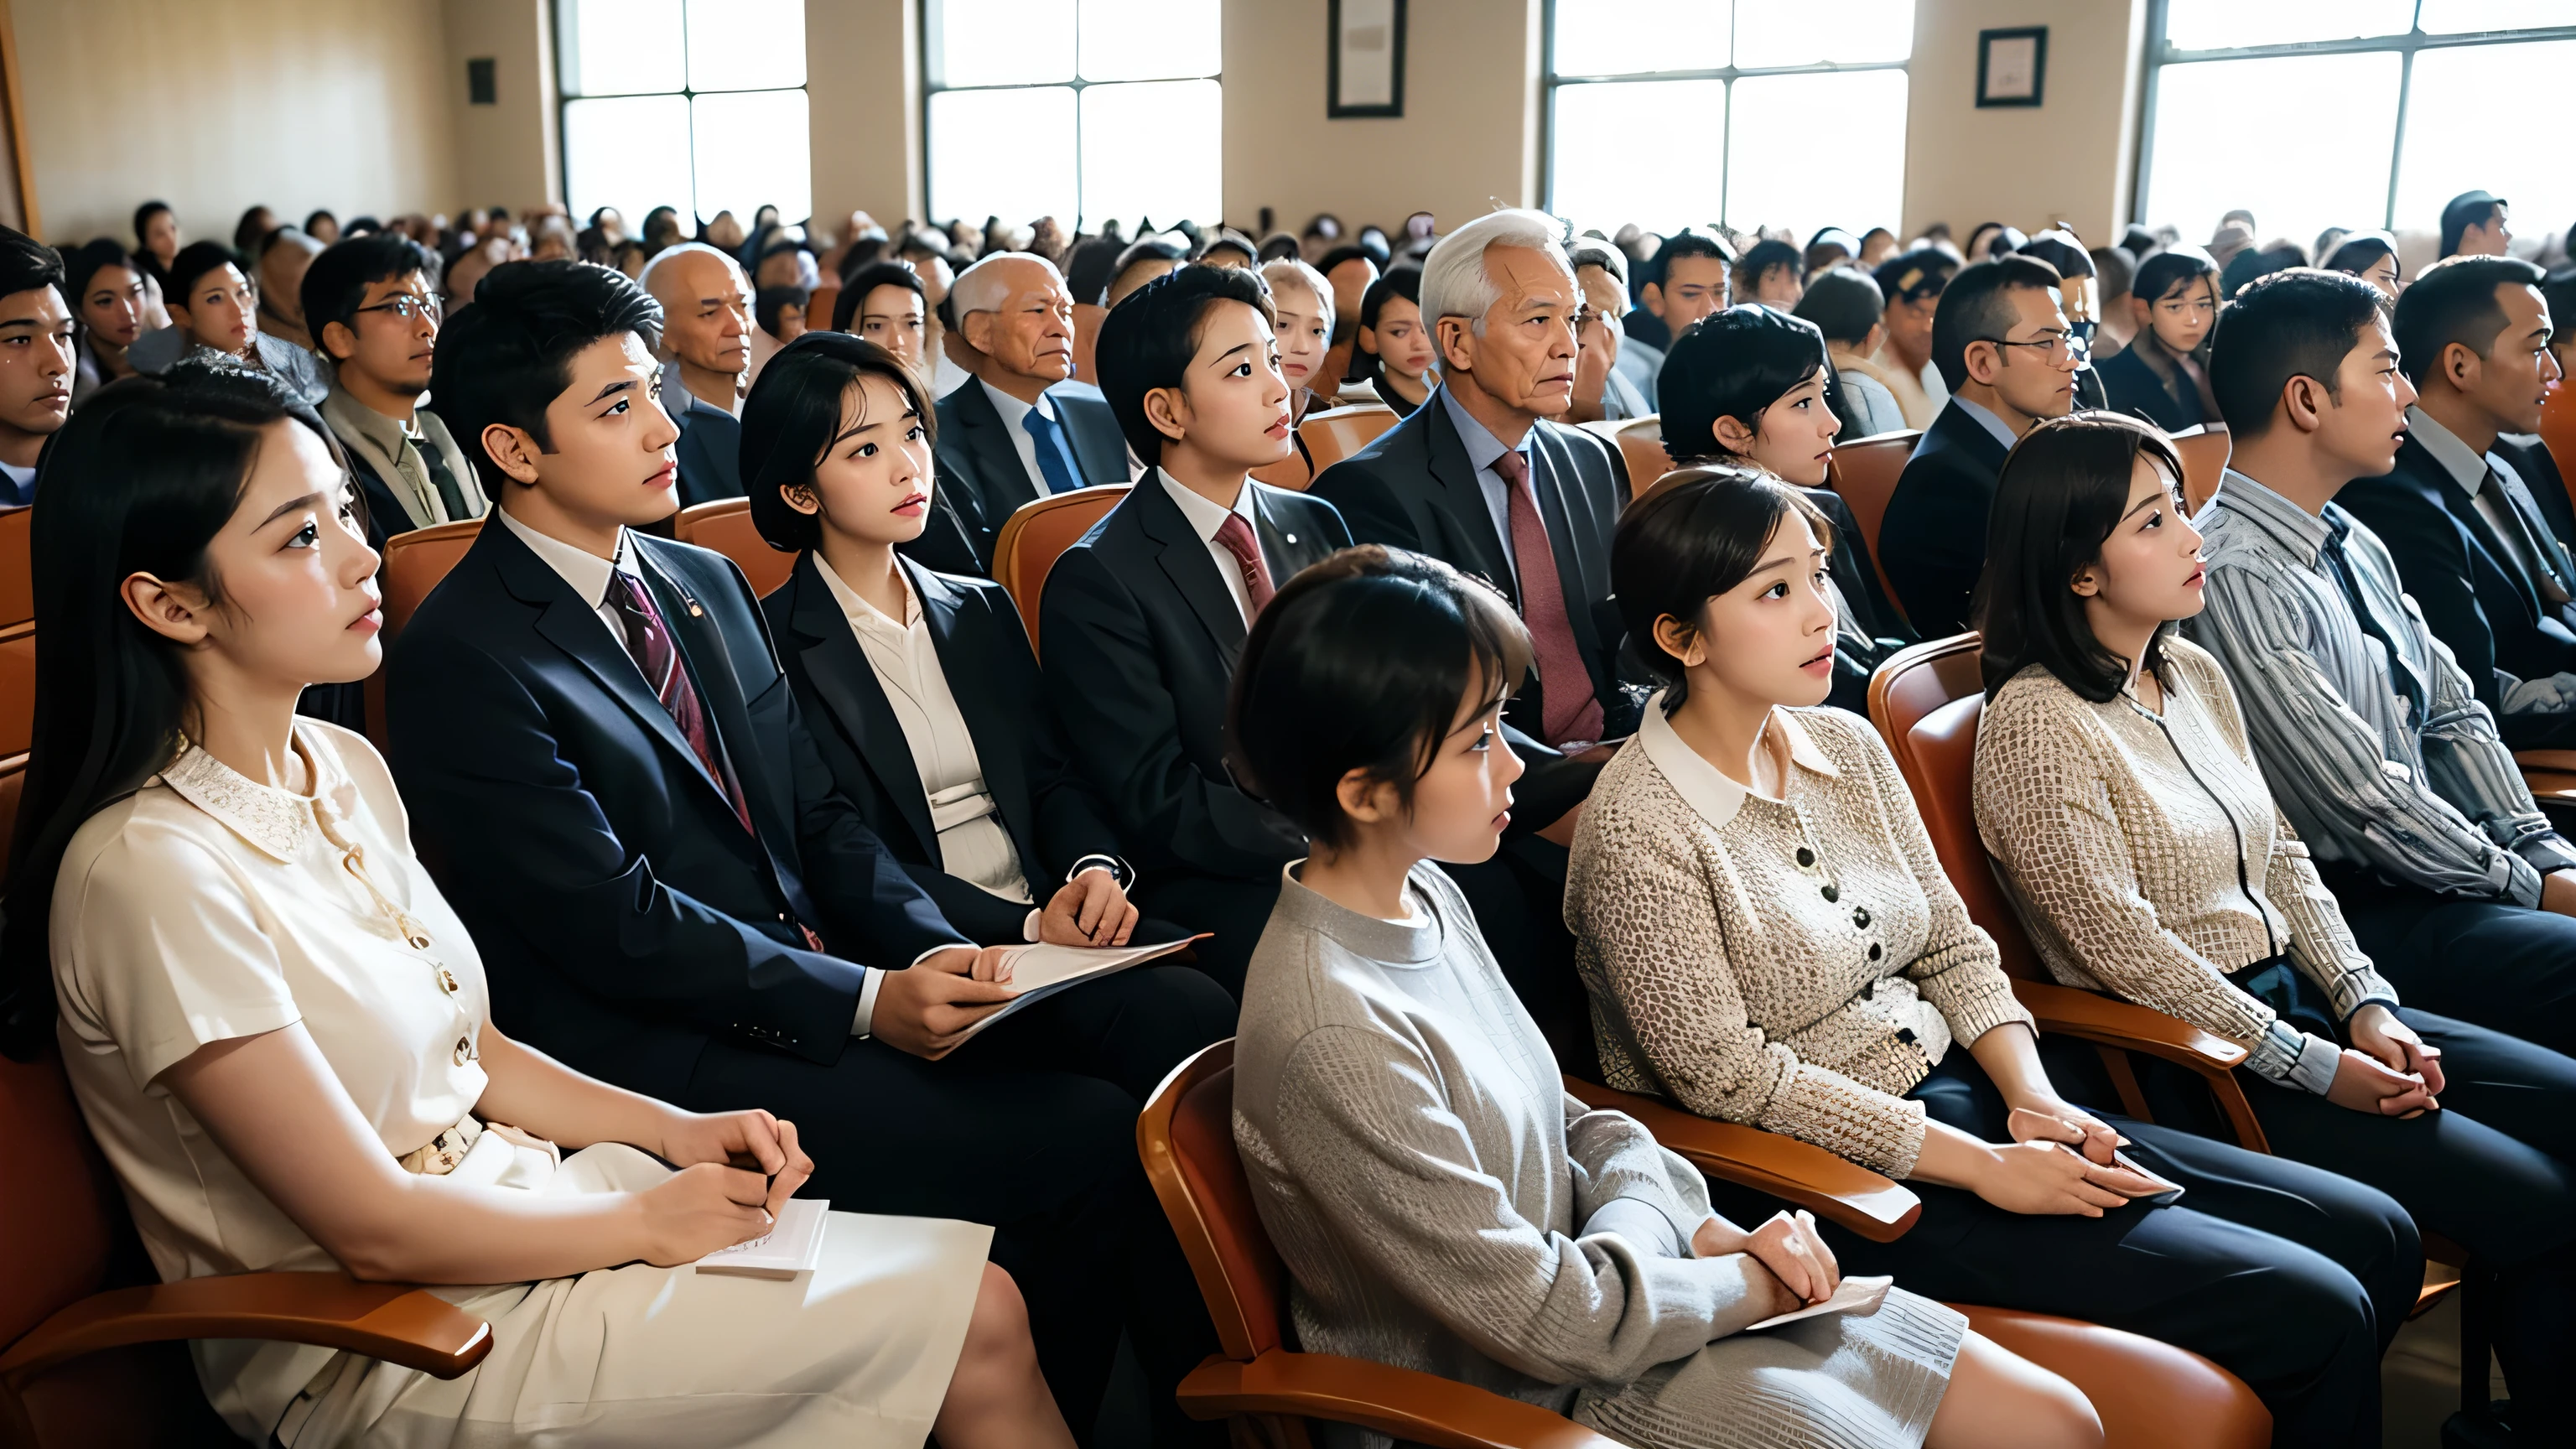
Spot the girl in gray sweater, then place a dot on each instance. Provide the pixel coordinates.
(1441, 1203)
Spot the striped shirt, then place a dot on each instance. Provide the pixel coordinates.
(2424, 795)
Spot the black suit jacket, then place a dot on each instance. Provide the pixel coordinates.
(709, 453)
(2134, 388)
(980, 473)
(1052, 817)
(2548, 486)
(625, 916)
(1933, 538)
(1141, 636)
(1415, 488)
(2475, 593)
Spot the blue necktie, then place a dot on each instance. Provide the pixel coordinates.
(1053, 460)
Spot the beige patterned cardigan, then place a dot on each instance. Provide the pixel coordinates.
(1795, 964)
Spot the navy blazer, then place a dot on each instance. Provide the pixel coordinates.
(2548, 486)
(1141, 635)
(1051, 816)
(709, 453)
(980, 473)
(624, 915)
(2132, 387)
(1933, 539)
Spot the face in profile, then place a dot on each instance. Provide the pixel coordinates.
(1305, 332)
(2034, 370)
(610, 462)
(2511, 382)
(1771, 637)
(1463, 802)
(892, 317)
(396, 333)
(2150, 568)
(1232, 405)
(2382, 273)
(35, 360)
(2361, 425)
(112, 306)
(874, 482)
(1793, 438)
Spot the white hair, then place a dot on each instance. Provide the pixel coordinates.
(679, 249)
(980, 288)
(1454, 280)
(1288, 269)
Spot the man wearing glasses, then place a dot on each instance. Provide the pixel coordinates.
(374, 312)
(2006, 353)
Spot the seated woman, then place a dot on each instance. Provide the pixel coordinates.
(2163, 374)
(280, 1032)
(1304, 302)
(1747, 385)
(1441, 1203)
(2116, 791)
(1393, 356)
(106, 292)
(2371, 256)
(1768, 939)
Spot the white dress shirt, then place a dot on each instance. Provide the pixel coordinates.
(1205, 519)
(1015, 421)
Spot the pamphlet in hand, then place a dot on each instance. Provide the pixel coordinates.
(1856, 1295)
(793, 1244)
(1042, 970)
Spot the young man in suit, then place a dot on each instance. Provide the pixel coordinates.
(2006, 353)
(1022, 430)
(36, 378)
(598, 743)
(706, 343)
(375, 313)
(1142, 619)
(2466, 528)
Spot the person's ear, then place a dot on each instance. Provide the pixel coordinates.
(1683, 642)
(1985, 361)
(1367, 798)
(1457, 344)
(802, 498)
(2303, 398)
(1876, 339)
(977, 329)
(2086, 586)
(2460, 365)
(2142, 312)
(338, 342)
(1168, 410)
(513, 450)
(1651, 297)
(1733, 436)
(176, 612)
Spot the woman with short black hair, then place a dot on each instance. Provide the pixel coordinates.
(2371, 256)
(2163, 374)
(1394, 357)
(108, 294)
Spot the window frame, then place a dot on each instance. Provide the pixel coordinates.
(1553, 83)
(564, 99)
(930, 16)
(2406, 45)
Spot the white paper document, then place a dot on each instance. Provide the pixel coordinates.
(1856, 1295)
(1042, 970)
(793, 1245)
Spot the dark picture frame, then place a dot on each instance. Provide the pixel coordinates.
(2018, 75)
(1379, 96)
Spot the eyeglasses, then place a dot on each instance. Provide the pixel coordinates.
(2056, 346)
(409, 307)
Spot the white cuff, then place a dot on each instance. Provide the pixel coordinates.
(867, 1012)
(2314, 1072)
(1029, 926)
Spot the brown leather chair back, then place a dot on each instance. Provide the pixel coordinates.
(1186, 1136)
(1337, 433)
(1037, 533)
(1087, 317)
(1864, 471)
(1640, 442)
(2204, 462)
(725, 526)
(17, 663)
(2558, 430)
(415, 562)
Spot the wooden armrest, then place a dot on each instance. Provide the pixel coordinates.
(1875, 1207)
(2561, 761)
(391, 1321)
(1416, 1407)
(2091, 1016)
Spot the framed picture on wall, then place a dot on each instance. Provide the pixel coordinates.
(2012, 66)
(1367, 59)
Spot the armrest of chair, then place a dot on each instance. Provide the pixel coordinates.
(1875, 1207)
(2107, 1021)
(1416, 1407)
(391, 1321)
(2557, 761)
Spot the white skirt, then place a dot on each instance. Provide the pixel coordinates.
(857, 1353)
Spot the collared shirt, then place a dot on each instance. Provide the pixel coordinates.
(1015, 421)
(1205, 519)
(2436, 802)
(2498, 505)
(1482, 449)
(155, 353)
(396, 453)
(21, 487)
(1986, 418)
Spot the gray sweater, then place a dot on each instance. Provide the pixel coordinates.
(1443, 1205)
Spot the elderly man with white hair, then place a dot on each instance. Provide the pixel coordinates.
(1023, 429)
(706, 351)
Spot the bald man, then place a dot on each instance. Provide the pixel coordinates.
(1022, 429)
(706, 350)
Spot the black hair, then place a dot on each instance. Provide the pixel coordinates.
(192, 263)
(1977, 307)
(2254, 262)
(794, 413)
(1844, 304)
(1395, 282)
(2454, 300)
(1089, 266)
(26, 264)
(2063, 490)
(1681, 246)
(1347, 252)
(336, 284)
(2006, 241)
(1732, 364)
(1233, 240)
(509, 356)
(2054, 248)
(318, 214)
(2117, 269)
(1605, 256)
(1146, 249)
(1761, 260)
(2357, 253)
(140, 480)
(86, 261)
(143, 217)
(2296, 323)
(768, 302)
(249, 232)
(854, 291)
(1148, 339)
(1363, 661)
(1281, 246)
(2468, 209)
(2559, 291)
(1915, 275)
(2137, 241)
(2168, 272)
(1699, 533)
(273, 238)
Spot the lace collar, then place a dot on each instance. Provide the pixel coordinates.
(272, 819)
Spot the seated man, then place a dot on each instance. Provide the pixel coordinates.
(2464, 527)
(2008, 359)
(2473, 225)
(706, 345)
(1686, 280)
(2374, 743)
(375, 312)
(1911, 282)
(214, 309)
(1142, 619)
(1607, 383)
(35, 379)
(668, 893)
(1772, 273)
(1024, 430)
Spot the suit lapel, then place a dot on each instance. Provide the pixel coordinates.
(1000, 475)
(838, 666)
(1456, 474)
(989, 724)
(1186, 562)
(570, 626)
(2499, 550)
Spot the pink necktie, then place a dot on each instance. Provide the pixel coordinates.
(1235, 537)
(1572, 715)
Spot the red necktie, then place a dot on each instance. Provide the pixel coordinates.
(650, 644)
(1235, 537)
(1572, 714)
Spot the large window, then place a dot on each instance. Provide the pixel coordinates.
(2359, 114)
(1757, 113)
(693, 104)
(1082, 110)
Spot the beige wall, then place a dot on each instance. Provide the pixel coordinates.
(506, 152)
(862, 92)
(216, 104)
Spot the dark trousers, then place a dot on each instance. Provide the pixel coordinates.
(2493, 1171)
(1233, 909)
(2290, 1278)
(2504, 967)
(1031, 1128)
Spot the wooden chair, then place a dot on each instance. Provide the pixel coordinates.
(17, 663)
(1036, 533)
(2558, 430)
(414, 564)
(1864, 471)
(1087, 317)
(1337, 433)
(2204, 453)
(1640, 442)
(725, 526)
(2148, 1393)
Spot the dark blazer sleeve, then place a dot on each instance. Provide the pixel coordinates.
(2432, 557)
(1933, 542)
(1098, 446)
(1072, 821)
(1368, 506)
(523, 834)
